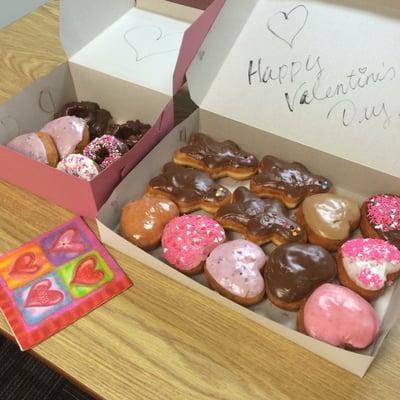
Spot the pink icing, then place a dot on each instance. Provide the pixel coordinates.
(189, 239)
(384, 212)
(370, 279)
(236, 267)
(31, 146)
(339, 316)
(371, 249)
(67, 133)
(113, 146)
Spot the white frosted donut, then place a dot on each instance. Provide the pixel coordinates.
(79, 166)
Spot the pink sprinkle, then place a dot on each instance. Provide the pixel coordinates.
(371, 249)
(370, 279)
(384, 212)
(188, 240)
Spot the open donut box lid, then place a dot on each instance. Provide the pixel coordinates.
(293, 45)
(122, 55)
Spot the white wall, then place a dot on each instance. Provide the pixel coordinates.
(11, 10)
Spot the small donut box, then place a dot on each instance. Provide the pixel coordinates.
(261, 78)
(122, 55)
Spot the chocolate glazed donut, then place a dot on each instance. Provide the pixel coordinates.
(97, 118)
(130, 132)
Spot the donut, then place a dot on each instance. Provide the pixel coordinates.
(259, 220)
(38, 146)
(188, 240)
(129, 133)
(105, 150)
(219, 159)
(79, 166)
(142, 221)
(338, 316)
(380, 218)
(234, 269)
(70, 134)
(189, 188)
(96, 118)
(328, 219)
(290, 182)
(367, 266)
(294, 270)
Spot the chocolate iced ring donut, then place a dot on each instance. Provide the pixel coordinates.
(130, 132)
(97, 118)
(105, 150)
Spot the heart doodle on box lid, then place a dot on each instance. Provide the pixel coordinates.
(67, 242)
(150, 41)
(25, 264)
(288, 25)
(41, 295)
(86, 273)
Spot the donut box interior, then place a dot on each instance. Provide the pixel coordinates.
(355, 157)
(120, 56)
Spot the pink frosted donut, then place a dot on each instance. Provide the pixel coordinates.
(79, 166)
(70, 134)
(340, 317)
(105, 150)
(189, 239)
(31, 146)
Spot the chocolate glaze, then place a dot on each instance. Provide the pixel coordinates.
(295, 270)
(260, 217)
(218, 154)
(130, 132)
(188, 185)
(291, 178)
(97, 118)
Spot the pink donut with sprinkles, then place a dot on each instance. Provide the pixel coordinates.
(188, 240)
(105, 150)
(80, 166)
(367, 266)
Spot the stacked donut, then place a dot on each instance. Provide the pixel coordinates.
(81, 140)
(204, 228)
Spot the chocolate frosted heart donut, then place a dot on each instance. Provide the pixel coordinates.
(129, 133)
(189, 188)
(380, 218)
(294, 270)
(260, 220)
(97, 118)
(289, 182)
(219, 159)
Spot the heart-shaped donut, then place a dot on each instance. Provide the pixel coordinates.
(340, 317)
(234, 270)
(328, 219)
(367, 266)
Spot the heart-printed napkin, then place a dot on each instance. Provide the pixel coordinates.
(55, 279)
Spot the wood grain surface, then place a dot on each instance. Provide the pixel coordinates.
(160, 340)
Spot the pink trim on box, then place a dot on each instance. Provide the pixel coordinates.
(192, 40)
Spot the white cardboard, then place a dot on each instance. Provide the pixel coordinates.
(349, 179)
(300, 48)
(131, 44)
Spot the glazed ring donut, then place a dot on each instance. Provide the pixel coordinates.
(105, 150)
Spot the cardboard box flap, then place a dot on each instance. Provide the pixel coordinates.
(324, 74)
(122, 40)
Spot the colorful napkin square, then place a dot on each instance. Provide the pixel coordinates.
(55, 279)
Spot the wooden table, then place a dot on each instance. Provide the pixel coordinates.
(160, 340)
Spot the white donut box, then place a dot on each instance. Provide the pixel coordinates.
(261, 78)
(122, 55)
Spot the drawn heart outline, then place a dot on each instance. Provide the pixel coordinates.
(67, 242)
(159, 35)
(86, 273)
(25, 264)
(286, 16)
(41, 295)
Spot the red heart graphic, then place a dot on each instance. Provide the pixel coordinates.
(86, 273)
(66, 242)
(25, 265)
(40, 295)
